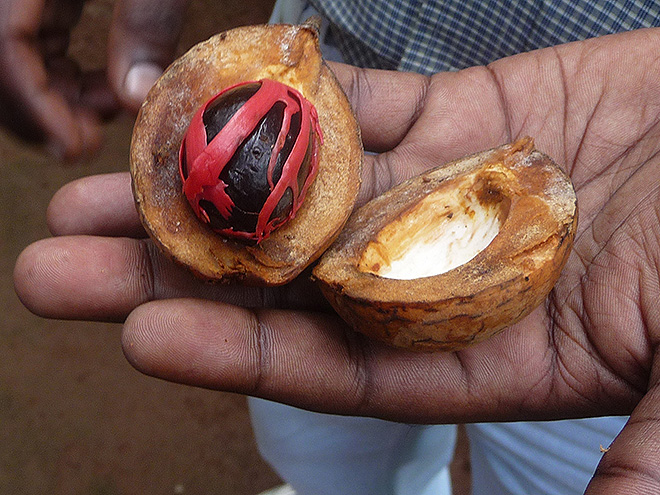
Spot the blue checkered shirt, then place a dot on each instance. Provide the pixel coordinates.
(429, 36)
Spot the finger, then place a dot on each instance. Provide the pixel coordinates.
(104, 279)
(87, 90)
(142, 42)
(31, 107)
(83, 278)
(303, 359)
(97, 205)
(57, 17)
(314, 361)
(88, 101)
(630, 464)
(96, 95)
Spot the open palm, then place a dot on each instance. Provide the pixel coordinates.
(588, 350)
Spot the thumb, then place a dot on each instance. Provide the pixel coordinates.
(631, 464)
(143, 39)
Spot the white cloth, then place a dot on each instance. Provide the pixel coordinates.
(323, 454)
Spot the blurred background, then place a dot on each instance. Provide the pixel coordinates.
(75, 418)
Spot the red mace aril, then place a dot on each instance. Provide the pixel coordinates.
(248, 158)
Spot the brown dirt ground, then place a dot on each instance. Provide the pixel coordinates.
(75, 418)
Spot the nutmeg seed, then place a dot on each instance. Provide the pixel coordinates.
(248, 158)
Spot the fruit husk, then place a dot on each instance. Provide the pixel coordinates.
(286, 53)
(479, 298)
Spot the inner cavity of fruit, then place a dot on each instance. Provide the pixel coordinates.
(446, 229)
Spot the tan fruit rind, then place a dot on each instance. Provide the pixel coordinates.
(288, 54)
(472, 302)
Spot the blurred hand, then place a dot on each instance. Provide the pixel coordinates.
(44, 95)
(590, 349)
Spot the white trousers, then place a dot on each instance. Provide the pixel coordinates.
(324, 454)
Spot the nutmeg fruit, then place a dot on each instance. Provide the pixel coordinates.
(260, 227)
(455, 255)
(442, 261)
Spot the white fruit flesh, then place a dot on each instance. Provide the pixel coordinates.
(446, 229)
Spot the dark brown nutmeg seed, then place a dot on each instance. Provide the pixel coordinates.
(248, 158)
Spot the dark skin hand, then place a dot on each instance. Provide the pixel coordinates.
(590, 349)
(44, 95)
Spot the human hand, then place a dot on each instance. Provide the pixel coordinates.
(590, 349)
(45, 96)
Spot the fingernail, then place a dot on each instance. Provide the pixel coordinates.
(139, 80)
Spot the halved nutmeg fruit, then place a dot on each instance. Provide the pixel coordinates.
(246, 157)
(455, 255)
